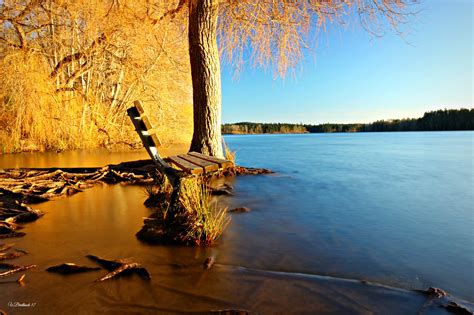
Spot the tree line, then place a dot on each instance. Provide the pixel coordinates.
(439, 120)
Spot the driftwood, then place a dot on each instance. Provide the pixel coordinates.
(209, 262)
(119, 267)
(21, 280)
(13, 269)
(71, 268)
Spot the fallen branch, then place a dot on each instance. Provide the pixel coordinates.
(119, 267)
(13, 269)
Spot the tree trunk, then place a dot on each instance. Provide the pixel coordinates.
(206, 77)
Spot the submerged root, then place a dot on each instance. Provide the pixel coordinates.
(119, 267)
(13, 269)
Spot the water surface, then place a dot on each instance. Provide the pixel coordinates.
(391, 208)
(395, 208)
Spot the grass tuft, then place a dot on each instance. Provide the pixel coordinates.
(198, 219)
(228, 153)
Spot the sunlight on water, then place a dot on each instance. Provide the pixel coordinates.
(395, 208)
(392, 208)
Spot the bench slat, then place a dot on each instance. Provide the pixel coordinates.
(208, 166)
(186, 165)
(145, 124)
(152, 140)
(133, 112)
(222, 163)
(139, 107)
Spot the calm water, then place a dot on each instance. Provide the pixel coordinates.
(391, 208)
(395, 208)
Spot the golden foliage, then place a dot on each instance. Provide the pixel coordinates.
(79, 63)
(71, 68)
(274, 33)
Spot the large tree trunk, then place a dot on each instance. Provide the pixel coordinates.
(206, 77)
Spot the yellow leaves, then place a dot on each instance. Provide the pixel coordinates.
(83, 104)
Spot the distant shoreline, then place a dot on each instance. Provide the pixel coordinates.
(440, 120)
(309, 133)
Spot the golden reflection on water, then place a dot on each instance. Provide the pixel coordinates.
(81, 158)
(103, 221)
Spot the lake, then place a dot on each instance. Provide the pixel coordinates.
(395, 209)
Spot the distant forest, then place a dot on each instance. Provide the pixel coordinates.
(445, 119)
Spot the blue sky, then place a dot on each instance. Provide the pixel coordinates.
(353, 77)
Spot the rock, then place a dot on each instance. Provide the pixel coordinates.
(240, 170)
(455, 308)
(153, 233)
(224, 189)
(70, 268)
(434, 292)
(240, 209)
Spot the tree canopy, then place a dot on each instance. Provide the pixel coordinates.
(72, 66)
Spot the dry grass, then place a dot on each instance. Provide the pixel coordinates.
(50, 103)
(198, 219)
(228, 153)
(207, 220)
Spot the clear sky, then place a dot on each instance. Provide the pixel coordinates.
(353, 77)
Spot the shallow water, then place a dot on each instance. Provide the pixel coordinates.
(392, 208)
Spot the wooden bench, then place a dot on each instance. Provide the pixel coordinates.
(190, 163)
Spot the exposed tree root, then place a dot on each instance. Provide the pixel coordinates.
(119, 267)
(5, 256)
(13, 269)
(19, 187)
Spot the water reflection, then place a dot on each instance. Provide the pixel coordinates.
(340, 219)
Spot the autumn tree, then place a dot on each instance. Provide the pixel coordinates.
(271, 32)
(71, 67)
